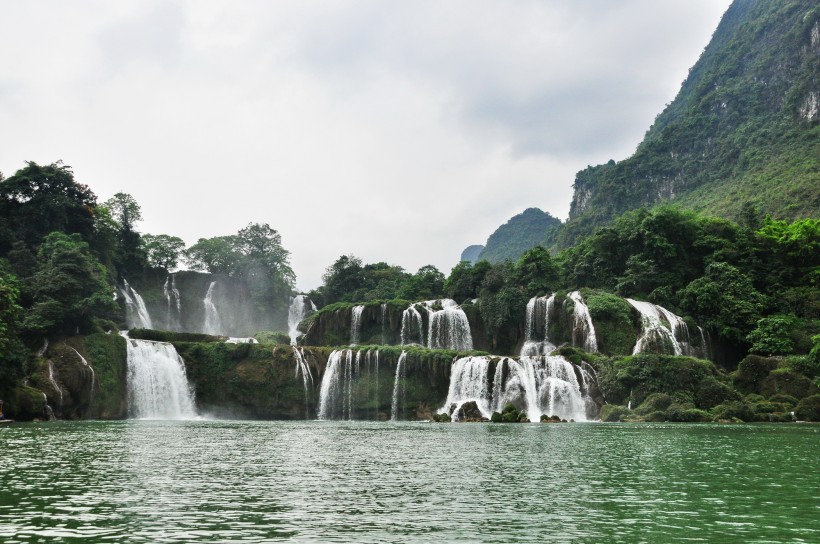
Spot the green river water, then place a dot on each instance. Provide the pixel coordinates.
(226, 481)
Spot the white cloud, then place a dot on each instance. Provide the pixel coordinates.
(397, 131)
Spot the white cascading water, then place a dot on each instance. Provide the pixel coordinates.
(157, 385)
(384, 323)
(303, 369)
(355, 324)
(212, 323)
(540, 385)
(447, 326)
(89, 367)
(54, 382)
(583, 332)
(469, 382)
(300, 308)
(136, 314)
(412, 327)
(665, 332)
(336, 391)
(241, 340)
(537, 340)
(399, 391)
(173, 303)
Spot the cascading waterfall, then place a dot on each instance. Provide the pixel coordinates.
(303, 369)
(336, 390)
(412, 327)
(300, 307)
(468, 383)
(448, 328)
(399, 391)
(157, 385)
(173, 303)
(213, 323)
(583, 332)
(384, 323)
(657, 336)
(540, 385)
(136, 314)
(447, 325)
(355, 324)
(537, 340)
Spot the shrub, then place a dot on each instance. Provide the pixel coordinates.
(734, 410)
(782, 398)
(613, 412)
(656, 402)
(808, 409)
(751, 371)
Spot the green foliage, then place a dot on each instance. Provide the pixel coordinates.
(464, 282)
(613, 413)
(613, 319)
(12, 351)
(535, 272)
(771, 337)
(272, 337)
(68, 289)
(426, 284)
(725, 301)
(38, 200)
(808, 409)
(170, 336)
(163, 250)
(737, 409)
(254, 254)
(124, 209)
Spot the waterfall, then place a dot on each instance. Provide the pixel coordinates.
(303, 369)
(384, 323)
(54, 382)
(399, 391)
(664, 332)
(157, 385)
(540, 385)
(537, 340)
(355, 324)
(47, 410)
(89, 367)
(468, 382)
(583, 332)
(412, 327)
(241, 340)
(213, 323)
(336, 389)
(173, 303)
(136, 314)
(447, 325)
(298, 310)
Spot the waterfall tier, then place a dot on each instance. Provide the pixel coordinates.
(300, 307)
(213, 322)
(664, 332)
(136, 313)
(542, 385)
(447, 325)
(157, 385)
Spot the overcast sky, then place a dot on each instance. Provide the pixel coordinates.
(398, 131)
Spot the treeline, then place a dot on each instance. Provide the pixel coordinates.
(753, 285)
(63, 254)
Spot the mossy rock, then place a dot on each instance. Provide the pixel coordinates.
(656, 402)
(740, 410)
(711, 393)
(782, 398)
(442, 418)
(655, 417)
(614, 412)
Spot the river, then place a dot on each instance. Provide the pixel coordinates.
(229, 481)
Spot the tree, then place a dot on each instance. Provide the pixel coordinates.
(215, 255)
(40, 199)
(725, 301)
(535, 272)
(772, 336)
(426, 284)
(12, 351)
(163, 250)
(124, 209)
(68, 289)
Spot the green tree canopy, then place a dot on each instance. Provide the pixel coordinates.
(163, 251)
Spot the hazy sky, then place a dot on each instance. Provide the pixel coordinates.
(395, 131)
